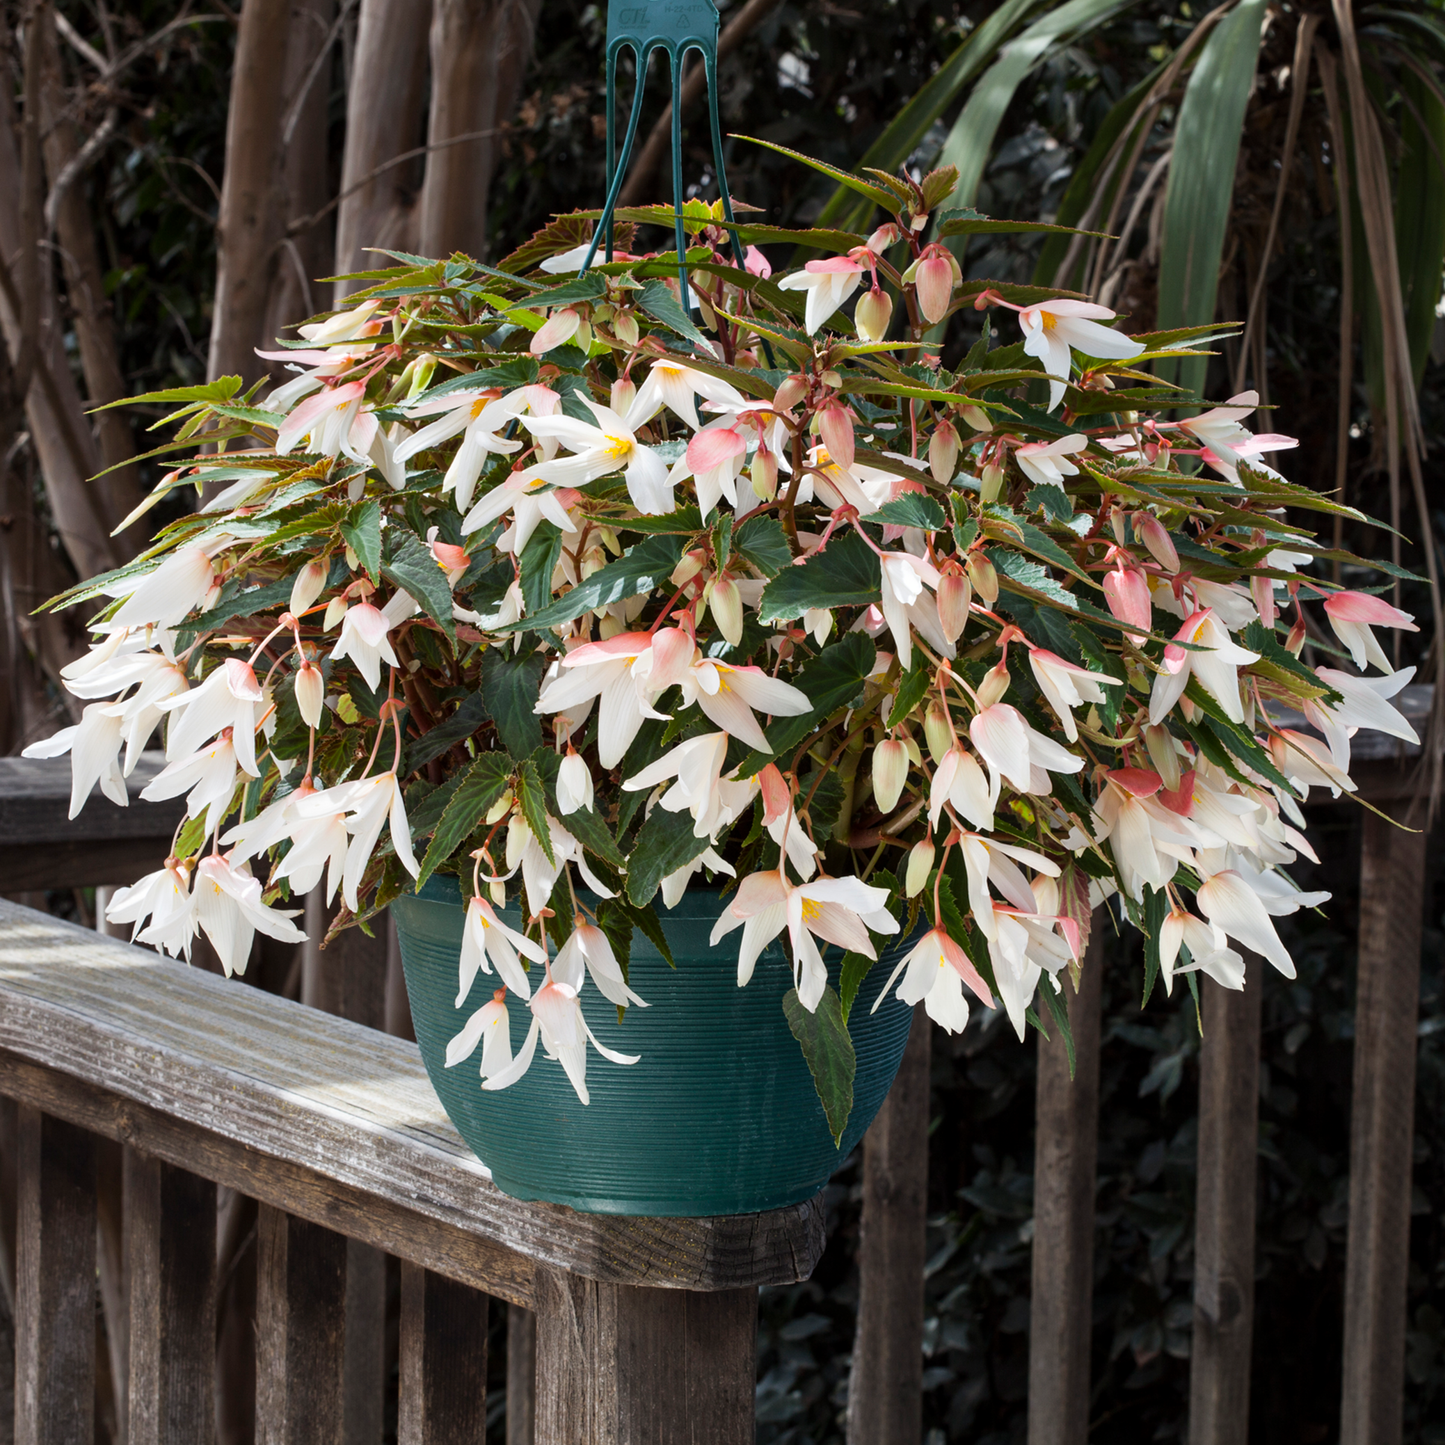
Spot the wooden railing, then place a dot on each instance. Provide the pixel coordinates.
(644, 1328)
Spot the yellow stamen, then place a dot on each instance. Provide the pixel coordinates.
(811, 909)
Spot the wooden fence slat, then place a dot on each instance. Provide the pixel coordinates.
(443, 1386)
(521, 1375)
(1382, 1126)
(618, 1365)
(1224, 1241)
(300, 1331)
(885, 1389)
(171, 1250)
(55, 1287)
(1066, 1138)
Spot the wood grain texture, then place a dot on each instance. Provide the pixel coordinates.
(171, 1251)
(1382, 1122)
(618, 1365)
(1066, 1135)
(300, 1331)
(521, 1375)
(885, 1389)
(443, 1385)
(328, 1120)
(365, 1365)
(55, 1288)
(1224, 1242)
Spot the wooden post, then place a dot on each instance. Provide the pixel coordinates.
(623, 1365)
(885, 1389)
(1224, 1210)
(300, 1313)
(1066, 1136)
(1382, 1125)
(55, 1285)
(443, 1386)
(521, 1375)
(171, 1248)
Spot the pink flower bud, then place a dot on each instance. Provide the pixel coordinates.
(983, 577)
(1369, 609)
(835, 426)
(990, 484)
(623, 392)
(873, 313)
(994, 685)
(955, 597)
(727, 608)
(308, 584)
(777, 798)
(687, 568)
(934, 280)
(937, 733)
(977, 418)
(1296, 639)
(920, 865)
(943, 452)
(890, 772)
(757, 263)
(888, 234)
(625, 329)
(1127, 593)
(790, 392)
(1152, 532)
(310, 693)
(765, 473)
(560, 327)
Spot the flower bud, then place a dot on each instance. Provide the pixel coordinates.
(499, 894)
(983, 577)
(310, 693)
(920, 865)
(934, 280)
(955, 597)
(499, 809)
(888, 234)
(1155, 536)
(990, 484)
(727, 608)
(335, 611)
(574, 783)
(1296, 639)
(688, 568)
(764, 473)
(977, 418)
(625, 329)
(308, 584)
(943, 451)
(1262, 590)
(560, 327)
(790, 392)
(890, 772)
(937, 733)
(873, 314)
(1164, 756)
(994, 685)
(623, 391)
(835, 426)
(1127, 593)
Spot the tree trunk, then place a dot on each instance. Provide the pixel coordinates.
(385, 114)
(479, 55)
(252, 220)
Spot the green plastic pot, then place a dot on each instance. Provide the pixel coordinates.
(719, 1117)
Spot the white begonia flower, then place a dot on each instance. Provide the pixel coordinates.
(674, 886)
(228, 907)
(208, 776)
(163, 897)
(668, 383)
(936, 970)
(94, 746)
(491, 1027)
(1052, 328)
(479, 414)
(574, 784)
(1068, 686)
(1018, 753)
(903, 576)
(487, 940)
(364, 638)
(230, 697)
(609, 445)
(1217, 668)
(828, 284)
(1365, 705)
(1047, 462)
(185, 582)
(588, 945)
(1230, 904)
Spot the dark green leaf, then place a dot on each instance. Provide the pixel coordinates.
(762, 542)
(362, 530)
(665, 843)
(1054, 502)
(222, 389)
(532, 799)
(482, 784)
(1059, 1008)
(846, 574)
(649, 564)
(425, 813)
(912, 509)
(510, 686)
(968, 222)
(594, 835)
(658, 301)
(1156, 907)
(413, 568)
(879, 195)
(912, 687)
(457, 728)
(539, 561)
(851, 973)
(828, 1049)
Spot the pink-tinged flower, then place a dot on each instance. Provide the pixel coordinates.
(943, 449)
(308, 586)
(329, 422)
(728, 695)
(184, 583)
(94, 747)
(935, 273)
(364, 636)
(1364, 705)
(1224, 443)
(1126, 591)
(230, 697)
(890, 773)
(1229, 903)
(874, 314)
(828, 284)
(163, 897)
(902, 577)
(1155, 536)
(700, 789)
(619, 670)
(835, 427)
(937, 969)
(357, 323)
(486, 940)
(715, 458)
(228, 907)
(453, 560)
(1352, 614)
(955, 598)
(589, 946)
(1145, 831)
(310, 689)
(1051, 328)
(1047, 463)
(756, 263)
(1208, 951)
(960, 782)
(1017, 752)
(557, 1018)
(491, 1028)
(209, 774)
(480, 415)
(837, 910)
(668, 383)
(609, 445)
(1068, 686)
(1217, 668)
(986, 860)
(1307, 763)
(560, 327)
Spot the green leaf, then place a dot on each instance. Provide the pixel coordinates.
(457, 728)
(658, 301)
(362, 530)
(1059, 1008)
(851, 973)
(222, 389)
(722, 539)
(845, 574)
(413, 568)
(879, 195)
(510, 686)
(912, 688)
(762, 542)
(828, 1049)
(532, 799)
(1052, 501)
(594, 835)
(538, 562)
(424, 815)
(968, 222)
(480, 786)
(591, 287)
(1198, 201)
(665, 843)
(250, 603)
(615, 920)
(1004, 523)
(1156, 907)
(912, 509)
(647, 565)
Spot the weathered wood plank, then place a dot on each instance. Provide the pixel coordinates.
(1224, 1242)
(171, 1249)
(443, 1385)
(1066, 1135)
(333, 1122)
(885, 1389)
(55, 1288)
(1382, 1123)
(365, 1368)
(300, 1331)
(521, 1375)
(617, 1365)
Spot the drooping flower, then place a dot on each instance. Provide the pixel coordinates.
(94, 747)
(364, 638)
(207, 776)
(937, 969)
(491, 1028)
(828, 284)
(185, 582)
(1228, 902)
(903, 577)
(163, 897)
(487, 940)
(669, 383)
(1364, 704)
(1068, 686)
(588, 945)
(697, 764)
(1352, 614)
(480, 415)
(960, 782)
(228, 906)
(619, 670)
(1217, 668)
(609, 445)
(230, 697)
(1017, 752)
(1047, 463)
(728, 696)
